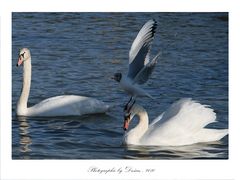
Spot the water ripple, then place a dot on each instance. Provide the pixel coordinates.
(77, 53)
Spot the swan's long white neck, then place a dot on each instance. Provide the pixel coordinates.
(22, 102)
(137, 132)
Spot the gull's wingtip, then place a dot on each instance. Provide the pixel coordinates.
(151, 23)
(154, 22)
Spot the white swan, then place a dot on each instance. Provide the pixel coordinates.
(182, 124)
(64, 105)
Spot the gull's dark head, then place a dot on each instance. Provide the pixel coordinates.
(117, 77)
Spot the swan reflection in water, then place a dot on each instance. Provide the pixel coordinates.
(209, 150)
(25, 139)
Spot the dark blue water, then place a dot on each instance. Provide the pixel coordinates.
(76, 53)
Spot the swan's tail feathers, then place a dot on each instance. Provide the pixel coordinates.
(112, 106)
(108, 107)
(210, 135)
(199, 115)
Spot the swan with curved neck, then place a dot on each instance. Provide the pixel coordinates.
(65, 105)
(182, 124)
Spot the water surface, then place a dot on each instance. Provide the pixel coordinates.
(77, 53)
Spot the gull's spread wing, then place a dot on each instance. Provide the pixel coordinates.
(140, 48)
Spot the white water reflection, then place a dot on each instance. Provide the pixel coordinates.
(25, 139)
(195, 151)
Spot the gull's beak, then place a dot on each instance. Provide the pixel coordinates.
(112, 77)
(126, 123)
(20, 60)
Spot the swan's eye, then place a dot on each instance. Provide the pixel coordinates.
(127, 115)
(22, 54)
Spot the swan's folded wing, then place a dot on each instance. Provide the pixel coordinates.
(140, 48)
(184, 123)
(146, 72)
(180, 122)
(68, 105)
(168, 115)
(156, 120)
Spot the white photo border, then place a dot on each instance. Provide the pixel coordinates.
(81, 169)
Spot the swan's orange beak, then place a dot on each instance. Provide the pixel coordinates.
(126, 123)
(20, 61)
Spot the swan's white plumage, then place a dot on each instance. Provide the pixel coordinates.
(182, 124)
(65, 105)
